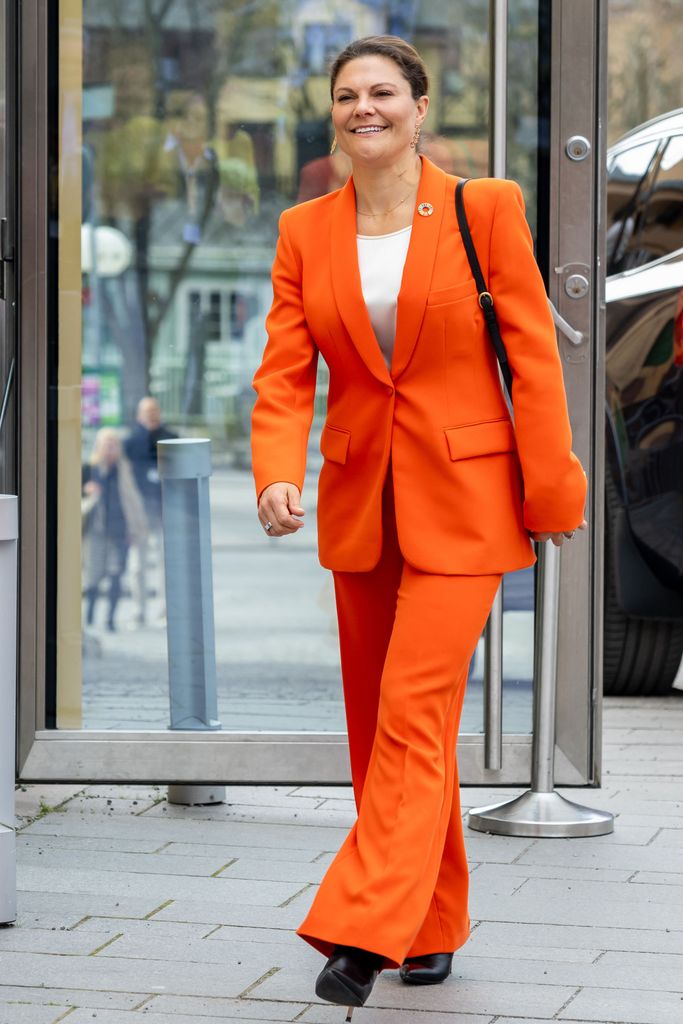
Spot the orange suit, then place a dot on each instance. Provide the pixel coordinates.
(426, 496)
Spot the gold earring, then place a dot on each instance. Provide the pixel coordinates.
(333, 146)
(416, 137)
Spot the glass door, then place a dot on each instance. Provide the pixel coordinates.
(180, 134)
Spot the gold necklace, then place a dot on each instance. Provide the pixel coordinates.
(384, 213)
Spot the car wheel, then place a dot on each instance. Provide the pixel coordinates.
(641, 656)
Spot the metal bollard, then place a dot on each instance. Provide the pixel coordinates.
(540, 811)
(184, 470)
(9, 531)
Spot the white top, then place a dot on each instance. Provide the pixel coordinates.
(381, 259)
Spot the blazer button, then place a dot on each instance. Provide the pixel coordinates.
(390, 390)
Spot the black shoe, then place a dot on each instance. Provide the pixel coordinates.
(429, 969)
(348, 976)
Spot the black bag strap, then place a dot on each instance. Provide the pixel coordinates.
(485, 297)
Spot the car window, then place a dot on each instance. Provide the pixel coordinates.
(630, 176)
(661, 231)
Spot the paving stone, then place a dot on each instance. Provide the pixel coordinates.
(588, 853)
(625, 835)
(650, 791)
(232, 914)
(70, 997)
(247, 812)
(389, 992)
(29, 841)
(553, 919)
(243, 933)
(142, 863)
(491, 946)
(41, 940)
(202, 951)
(160, 930)
(237, 1009)
(550, 871)
(495, 849)
(375, 1015)
(625, 768)
(663, 736)
(323, 792)
(278, 871)
(669, 837)
(250, 833)
(660, 753)
(84, 804)
(657, 878)
(157, 887)
(540, 910)
(124, 792)
(631, 803)
(120, 975)
(612, 971)
(25, 1013)
(269, 796)
(566, 936)
(654, 820)
(123, 1017)
(672, 962)
(30, 799)
(339, 805)
(261, 853)
(553, 888)
(43, 908)
(628, 1007)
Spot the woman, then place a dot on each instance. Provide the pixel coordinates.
(113, 518)
(426, 497)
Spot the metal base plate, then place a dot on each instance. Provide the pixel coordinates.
(540, 814)
(196, 795)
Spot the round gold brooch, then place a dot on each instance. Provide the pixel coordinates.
(425, 209)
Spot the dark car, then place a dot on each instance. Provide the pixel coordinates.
(643, 640)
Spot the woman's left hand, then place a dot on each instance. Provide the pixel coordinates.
(558, 539)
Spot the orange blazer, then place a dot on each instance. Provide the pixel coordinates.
(468, 485)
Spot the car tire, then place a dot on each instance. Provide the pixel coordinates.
(640, 656)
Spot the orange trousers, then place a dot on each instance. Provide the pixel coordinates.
(398, 886)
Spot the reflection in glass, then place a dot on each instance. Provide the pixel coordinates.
(191, 127)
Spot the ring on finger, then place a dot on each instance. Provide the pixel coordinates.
(268, 527)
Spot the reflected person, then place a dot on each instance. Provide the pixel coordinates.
(113, 517)
(427, 495)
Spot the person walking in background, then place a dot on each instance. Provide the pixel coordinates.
(141, 450)
(427, 495)
(113, 517)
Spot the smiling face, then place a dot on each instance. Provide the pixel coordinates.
(373, 110)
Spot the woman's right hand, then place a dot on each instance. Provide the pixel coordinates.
(279, 505)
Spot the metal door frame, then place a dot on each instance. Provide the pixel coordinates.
(579, 107)
(8, 253)
(578, 70)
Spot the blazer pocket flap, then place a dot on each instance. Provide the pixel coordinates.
(334, 443)
(484, 438)
(453, 294)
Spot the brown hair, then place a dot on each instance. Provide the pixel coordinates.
(407, 58)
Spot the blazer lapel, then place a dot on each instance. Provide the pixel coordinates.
(346, 283)
(417, 273)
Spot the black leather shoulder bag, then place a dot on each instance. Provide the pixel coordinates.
(485, 297)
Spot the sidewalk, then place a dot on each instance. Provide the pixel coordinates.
(130, 908)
